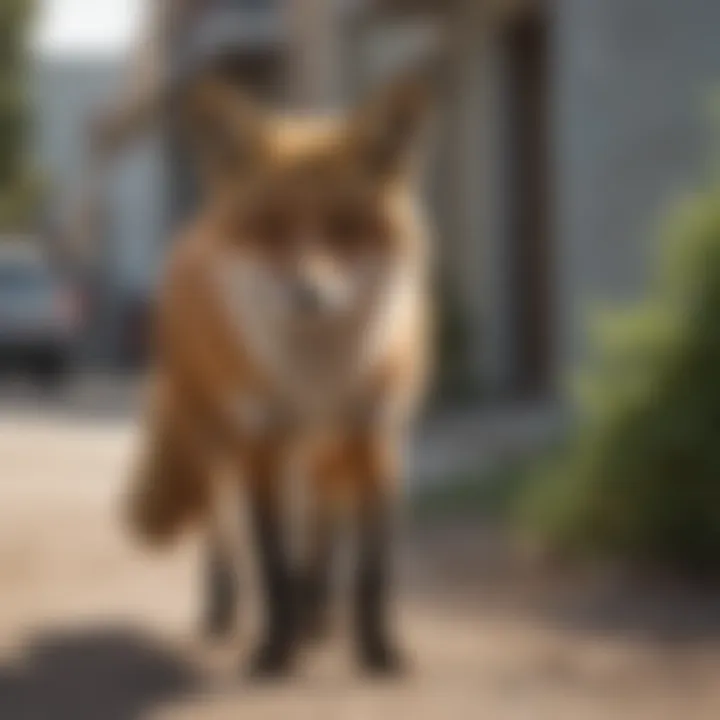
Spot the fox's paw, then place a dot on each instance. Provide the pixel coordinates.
(217, 623)
(382, 658)
(272, 659)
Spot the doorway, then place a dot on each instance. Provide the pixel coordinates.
(526, 49)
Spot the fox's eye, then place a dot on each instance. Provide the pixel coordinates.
(269, 226)
(348, 227)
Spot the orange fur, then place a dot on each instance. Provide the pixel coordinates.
(203, 362)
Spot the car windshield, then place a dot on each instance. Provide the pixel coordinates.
(24, 279)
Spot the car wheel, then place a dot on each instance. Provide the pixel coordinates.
(51, 373)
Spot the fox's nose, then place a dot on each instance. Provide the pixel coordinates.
(309, 299)
(319, 289)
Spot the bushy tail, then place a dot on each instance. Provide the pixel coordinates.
(171, 487)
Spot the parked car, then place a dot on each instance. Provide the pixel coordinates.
(40, 314)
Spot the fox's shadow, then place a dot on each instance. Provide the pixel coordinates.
(108, 674)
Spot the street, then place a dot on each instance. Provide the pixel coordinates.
(93, 627)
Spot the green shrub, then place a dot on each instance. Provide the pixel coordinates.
(20, 183)
(640, 479)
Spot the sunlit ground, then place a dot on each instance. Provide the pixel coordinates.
(92, 627)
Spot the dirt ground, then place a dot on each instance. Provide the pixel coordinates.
(94, 628)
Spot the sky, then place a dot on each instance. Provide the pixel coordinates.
(71, 27)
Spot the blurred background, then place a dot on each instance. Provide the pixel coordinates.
(563, 541)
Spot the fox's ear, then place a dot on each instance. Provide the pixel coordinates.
(390, 129)
(224, 130)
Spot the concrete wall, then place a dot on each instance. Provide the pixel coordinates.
(633, 80)
(66, 92)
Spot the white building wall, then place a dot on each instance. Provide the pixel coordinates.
(633, 83)
(66, 92)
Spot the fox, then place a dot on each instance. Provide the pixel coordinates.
(293, 321)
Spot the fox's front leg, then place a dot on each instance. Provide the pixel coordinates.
(378, 468)
(220, 585)
(316, 573)
(276, 650)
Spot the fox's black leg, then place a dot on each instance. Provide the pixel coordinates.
(220, 585)
(315, 581)
(275, 652)
(376, 649)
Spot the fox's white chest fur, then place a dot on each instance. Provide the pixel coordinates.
(316, 371)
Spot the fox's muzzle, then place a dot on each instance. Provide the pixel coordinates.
(320, 290)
